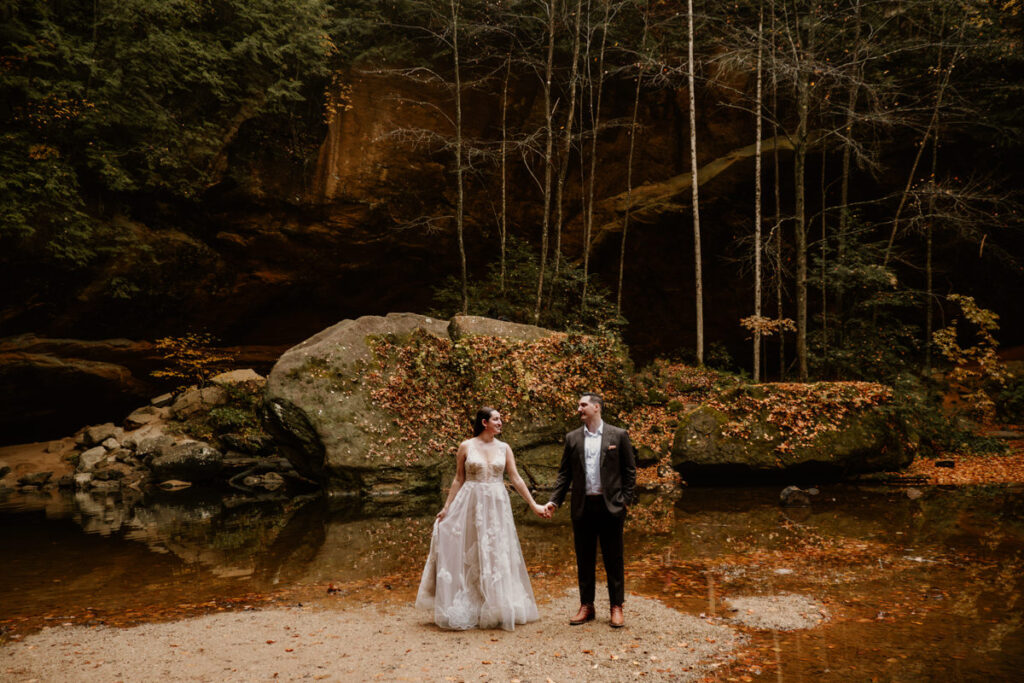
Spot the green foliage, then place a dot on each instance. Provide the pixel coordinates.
(235, 425)
(1009, 399)
(870, 338)
(717, 356)
(135, 95)
(918, 404)
(42, 215)
(562, 309)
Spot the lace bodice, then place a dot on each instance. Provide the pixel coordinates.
(485, 465)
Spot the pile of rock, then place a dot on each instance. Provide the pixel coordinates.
(153, 446)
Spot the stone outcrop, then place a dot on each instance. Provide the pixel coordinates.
(96, 379)
(323, 412)
(771, 432)
(156, 445)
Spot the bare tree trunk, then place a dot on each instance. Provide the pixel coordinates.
(928, 274)
(824, 254)
(460, 202)
(800, 201)
(570, 118)
(595, 122)
(777, 187)
(503, 228)
(844, 183)
(697, 266)
(548, 114)
(629, 165)
(757, 205)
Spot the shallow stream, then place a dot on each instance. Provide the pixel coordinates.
(918, 585)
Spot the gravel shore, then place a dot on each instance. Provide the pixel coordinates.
(377, 642)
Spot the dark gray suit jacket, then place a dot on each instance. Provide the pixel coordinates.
(618, 471)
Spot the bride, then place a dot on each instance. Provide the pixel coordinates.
(475, 576)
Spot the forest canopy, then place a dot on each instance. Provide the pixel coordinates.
(898, 125)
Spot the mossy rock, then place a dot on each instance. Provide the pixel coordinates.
(746, 443)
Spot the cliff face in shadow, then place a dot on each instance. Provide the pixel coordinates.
(282, 247)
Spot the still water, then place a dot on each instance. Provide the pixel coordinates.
(919, 585)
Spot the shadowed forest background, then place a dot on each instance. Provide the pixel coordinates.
(256, 171)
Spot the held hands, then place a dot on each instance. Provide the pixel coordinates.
(543, 510)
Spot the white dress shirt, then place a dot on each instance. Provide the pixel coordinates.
(592, 458)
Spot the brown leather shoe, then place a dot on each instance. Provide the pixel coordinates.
(585, 614)
(618, 619)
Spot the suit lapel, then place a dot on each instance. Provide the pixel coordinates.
(604, 446)
(581, 450)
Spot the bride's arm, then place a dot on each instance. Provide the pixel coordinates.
(519, 484)
(460, 478)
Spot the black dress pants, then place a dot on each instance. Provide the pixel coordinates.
(599, 524)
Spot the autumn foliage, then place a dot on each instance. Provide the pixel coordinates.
(434, 385)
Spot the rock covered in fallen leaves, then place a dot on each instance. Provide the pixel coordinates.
(820, 430)
(379, 404)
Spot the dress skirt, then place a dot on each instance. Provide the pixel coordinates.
(475, 575)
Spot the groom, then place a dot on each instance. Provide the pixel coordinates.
(598, 463)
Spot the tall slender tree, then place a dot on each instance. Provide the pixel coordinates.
(695, 184)
(759, 118)
(634, 132)
(595, 87)
(550, 7)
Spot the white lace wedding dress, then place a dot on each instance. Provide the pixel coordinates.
(475, 576)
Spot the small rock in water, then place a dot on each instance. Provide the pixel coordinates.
(39, 479)
(914, 494)
(794, 496)
(174, 485)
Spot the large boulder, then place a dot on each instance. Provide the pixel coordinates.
(771, 432)
(379, 404)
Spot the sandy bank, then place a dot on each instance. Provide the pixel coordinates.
(376, 643)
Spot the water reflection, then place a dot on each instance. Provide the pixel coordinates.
(919, 588)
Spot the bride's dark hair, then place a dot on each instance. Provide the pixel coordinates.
(481, 415)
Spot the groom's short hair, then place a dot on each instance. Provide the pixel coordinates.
(593, 398)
